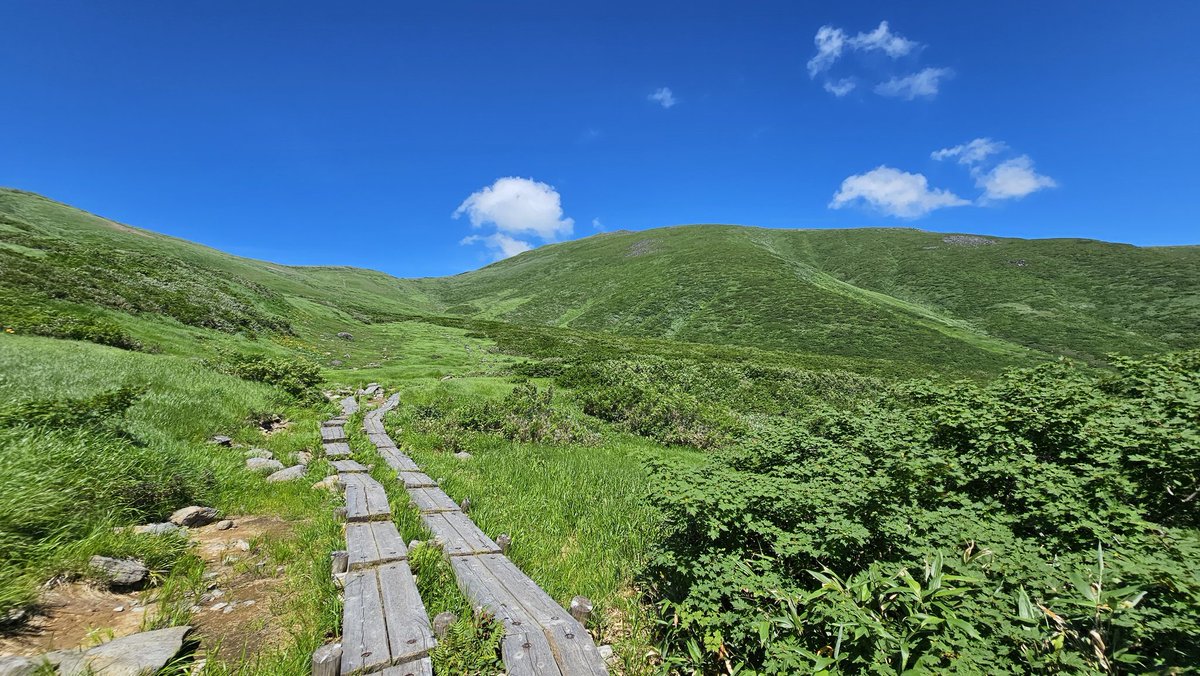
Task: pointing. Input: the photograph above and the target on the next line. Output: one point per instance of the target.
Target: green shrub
(1062, 500)
(29, 314)
(295, 375)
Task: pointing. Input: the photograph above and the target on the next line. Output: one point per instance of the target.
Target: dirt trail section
(233, 615)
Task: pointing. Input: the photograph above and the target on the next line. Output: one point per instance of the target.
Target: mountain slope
(868, 292)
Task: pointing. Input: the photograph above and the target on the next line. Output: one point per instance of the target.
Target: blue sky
(353, 133)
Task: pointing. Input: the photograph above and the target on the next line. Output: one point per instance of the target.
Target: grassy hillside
(947, 300)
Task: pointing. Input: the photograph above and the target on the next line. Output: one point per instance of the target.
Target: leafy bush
(295, 375)
(526, 414)
(31, 315)
(1061, 502)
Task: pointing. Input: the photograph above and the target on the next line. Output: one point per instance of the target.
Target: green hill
(871, 292)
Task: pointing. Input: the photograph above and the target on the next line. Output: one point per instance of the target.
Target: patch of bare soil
(232, 617)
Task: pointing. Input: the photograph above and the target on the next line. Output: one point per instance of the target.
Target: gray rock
(66, 661)
(289, 474)
(14, 665)
(263, 465)
(442, 622)
(344, 335)
(221, 440)
(156, 528)
(606, 652)
(136, 655)
(329, 483)
(463, 455)
(194, 516)
(259, 453)
(224, 524)
(303, 457)
(120, 572)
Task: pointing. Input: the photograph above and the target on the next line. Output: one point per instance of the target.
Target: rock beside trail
(263, 465)
(194, 516)
(462, 455)
(344, 335)
(136, 655)
(303, 457)
(156, 528)
(120, 572)
(329, 483)
(259, 453)
(221, 440)
(225, 524)
(293, 472)
(13, 665)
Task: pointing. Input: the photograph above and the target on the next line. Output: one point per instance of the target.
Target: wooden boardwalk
(385, 628)
(540, 638)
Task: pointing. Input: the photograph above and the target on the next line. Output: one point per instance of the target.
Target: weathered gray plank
(381, 439)
(421, 666)
(345, 466)
(337, 449)
(349, 405)
(365, 498)
(330, 434)
(364, 629)
(416, 479)
(429, 499)
(409, 633)
(372, 425)
(373, 543)
(398, 461)
(459, 536)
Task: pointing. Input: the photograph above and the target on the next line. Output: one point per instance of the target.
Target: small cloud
(500, 244)
(884, 40)
(518, 206)
(1012, 179)
(831, 42)
(840, 88)
(894, 193)
(589, 135)
(597, 224)
(664, 97)
(972, 152)
(921, 84)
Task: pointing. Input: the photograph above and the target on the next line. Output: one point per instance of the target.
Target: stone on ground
(120, 572)
(222, 440)
(13, 665)
(156, 528)
(289, 474)
(259, 453)
(194, 516)
(224, 524)
(263, 465)
(136, 655)
(462, 455)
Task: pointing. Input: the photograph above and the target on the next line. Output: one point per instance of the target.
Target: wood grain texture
(416, 480)
(373, 543)
(365, 498)
(335, 433)
(409, 632)
(337, 449)
(348, 466)
(428, 499)
(459, 536)
(364, 630)
(398, 461)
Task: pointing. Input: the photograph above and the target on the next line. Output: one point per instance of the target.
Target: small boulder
(289, 474)
(259, 453)
(144, 653)
(221, 440)
(606, 652)
(156, 528)
(120, 572)
(263, 465)
(224, 524)
(194, 516)
(463, 455)
(442, 622)
(303, 457)
(15, 665)
(345, 335)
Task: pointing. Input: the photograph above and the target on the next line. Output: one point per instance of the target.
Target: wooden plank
(459, 536)
(335, 422)
(365, 498)
(364, 630)
(331, 434)
(525, 649)
(348, 466)
(373, 543)
(409, 633)
(431, 500)
(372, 425)
(416, 480)
(381, 439)
(398, 461)
(337, 449)
(349, 405)
(421, 666)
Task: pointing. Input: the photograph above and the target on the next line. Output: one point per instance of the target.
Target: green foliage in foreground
(295, 375)
(1046, 521)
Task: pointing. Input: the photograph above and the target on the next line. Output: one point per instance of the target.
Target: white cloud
(597, 224)
(921, 84)
(499, 243)
(970, 153)
(840, 88)
(831, 42)
(895, 193)
(1012, 179)
(884, 40)
(664, 97)
(518, 206)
